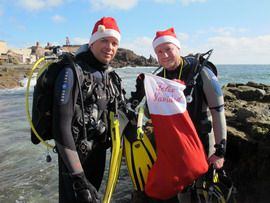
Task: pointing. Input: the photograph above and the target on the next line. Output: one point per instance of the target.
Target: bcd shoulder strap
(197, 62)
(43, 96)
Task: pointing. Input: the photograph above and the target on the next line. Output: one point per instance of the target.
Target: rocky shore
(125, 57)
(10, 75)
(248, 151)
(248, 118)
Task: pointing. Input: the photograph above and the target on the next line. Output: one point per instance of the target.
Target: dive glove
(220, 148)
(85, 192)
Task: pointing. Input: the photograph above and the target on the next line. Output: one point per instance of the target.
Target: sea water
(25, 176)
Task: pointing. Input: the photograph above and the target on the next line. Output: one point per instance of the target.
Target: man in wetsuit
(82, 140)
(204, 96)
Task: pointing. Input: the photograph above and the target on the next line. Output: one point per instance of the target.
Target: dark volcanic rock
(125, 57)
(248, 152)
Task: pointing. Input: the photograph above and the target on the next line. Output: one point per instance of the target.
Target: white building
(3, 47)
(26, 54)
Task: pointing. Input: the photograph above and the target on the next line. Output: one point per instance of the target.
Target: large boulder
(248, 152)
(125, 57)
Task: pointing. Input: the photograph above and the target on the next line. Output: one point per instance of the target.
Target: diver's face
(104, 49)
(168, 55)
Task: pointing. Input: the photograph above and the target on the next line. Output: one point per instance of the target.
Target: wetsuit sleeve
(215, 100)
(65, 95)
(139, 93)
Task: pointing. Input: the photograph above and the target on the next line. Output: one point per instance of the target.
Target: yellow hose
(140, 123)
(116, 156)
(27, 99)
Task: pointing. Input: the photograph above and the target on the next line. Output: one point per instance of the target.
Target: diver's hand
(85, 192)
(216, 161)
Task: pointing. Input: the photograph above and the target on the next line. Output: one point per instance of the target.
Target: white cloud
(17, 24)
(187, 2)
(241, 50)
(182, 37)
(183, 2)
(113, 4)
(141, 46)
(35, 5)
(79, 40)
(1, 11)
(22, 28)
(165, 1)
(228, 31)
(58, 19)
(229, 44)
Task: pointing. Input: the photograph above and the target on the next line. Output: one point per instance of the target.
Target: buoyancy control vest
(102, 92)
(193, 65)
(100, 89)
(195, 91)
(42, 106)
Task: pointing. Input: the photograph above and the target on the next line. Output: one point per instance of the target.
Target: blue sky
(237, 30)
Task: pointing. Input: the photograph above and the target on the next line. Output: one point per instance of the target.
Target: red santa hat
(166, 36)
(105, 27)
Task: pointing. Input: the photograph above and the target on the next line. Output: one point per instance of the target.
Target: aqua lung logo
(63, 93)
(64, 89)
(64, 86)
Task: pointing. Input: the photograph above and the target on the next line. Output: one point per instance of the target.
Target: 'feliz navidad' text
(168, 94)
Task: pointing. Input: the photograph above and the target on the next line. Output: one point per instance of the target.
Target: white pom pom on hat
(105, 27)
(166, 36)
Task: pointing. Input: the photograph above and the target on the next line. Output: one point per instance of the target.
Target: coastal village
(124, 57)
(15, 63)
(31, 54)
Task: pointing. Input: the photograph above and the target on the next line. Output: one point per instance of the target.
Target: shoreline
(248, 128)
(11, 75)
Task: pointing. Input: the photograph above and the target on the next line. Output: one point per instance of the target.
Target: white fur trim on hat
(166, 39)
(104, 33)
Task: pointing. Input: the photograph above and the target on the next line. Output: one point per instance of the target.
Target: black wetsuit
(206, 109)
(67, 115)
(207, 99)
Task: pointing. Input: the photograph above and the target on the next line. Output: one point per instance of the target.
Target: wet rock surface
(125, 57)
(248, 118)
(248, 150)
(10, 75)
